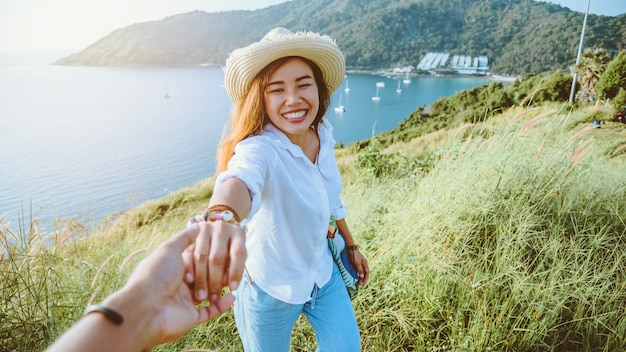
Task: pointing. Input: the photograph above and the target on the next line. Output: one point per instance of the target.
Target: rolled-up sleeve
(250, 164)
(339, 211)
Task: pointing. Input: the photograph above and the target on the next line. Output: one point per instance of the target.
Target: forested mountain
(518, 36)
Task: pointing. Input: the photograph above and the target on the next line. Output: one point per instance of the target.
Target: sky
(597, 7)
(72, 25)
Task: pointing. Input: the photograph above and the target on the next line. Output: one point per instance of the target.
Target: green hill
(518, 36)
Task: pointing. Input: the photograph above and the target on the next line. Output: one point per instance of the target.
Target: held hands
(159, 303)
(160, 278)
(216, 259)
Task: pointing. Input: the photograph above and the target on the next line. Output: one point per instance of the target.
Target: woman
(279, 177)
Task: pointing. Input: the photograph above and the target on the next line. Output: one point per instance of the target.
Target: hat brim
(244, 64)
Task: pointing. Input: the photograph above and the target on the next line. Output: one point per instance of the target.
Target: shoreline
(383, 73)
(377, 72)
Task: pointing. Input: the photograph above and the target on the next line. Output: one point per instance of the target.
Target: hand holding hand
(216, 260)
(157, 304)
(160, 278)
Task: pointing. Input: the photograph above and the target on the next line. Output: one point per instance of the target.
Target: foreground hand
(216, 260)
(160, 278)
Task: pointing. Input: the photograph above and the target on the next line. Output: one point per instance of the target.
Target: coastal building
(459, 64)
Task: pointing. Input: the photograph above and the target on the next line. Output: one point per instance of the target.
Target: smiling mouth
(295, 115)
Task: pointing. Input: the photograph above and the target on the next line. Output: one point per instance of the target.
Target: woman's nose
(293, 97)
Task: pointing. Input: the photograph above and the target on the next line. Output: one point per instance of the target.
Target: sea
(85, 142)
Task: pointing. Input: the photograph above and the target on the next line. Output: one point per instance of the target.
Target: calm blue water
(86, 142)
(364, 116)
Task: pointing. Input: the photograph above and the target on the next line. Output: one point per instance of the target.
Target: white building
(460, 64)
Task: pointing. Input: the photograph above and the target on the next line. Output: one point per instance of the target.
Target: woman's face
(292, 99)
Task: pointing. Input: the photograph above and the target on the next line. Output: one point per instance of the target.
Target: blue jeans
(265, 323)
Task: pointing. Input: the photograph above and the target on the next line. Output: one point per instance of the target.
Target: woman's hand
(216, 260)
(358, 260)
(360, 264)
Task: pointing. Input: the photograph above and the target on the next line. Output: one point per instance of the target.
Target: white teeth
(294, 115)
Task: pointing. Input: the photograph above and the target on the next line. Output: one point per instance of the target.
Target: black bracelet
(113, 316)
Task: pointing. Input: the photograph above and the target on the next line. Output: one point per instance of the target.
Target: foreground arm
(357, 258)
(157, 305)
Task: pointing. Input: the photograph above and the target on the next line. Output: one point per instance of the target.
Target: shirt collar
(327, 142)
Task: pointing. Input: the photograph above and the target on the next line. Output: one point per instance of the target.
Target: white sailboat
(340, 107)
(347, 86)
(407, 80)
(399, 90)
(380, 84)
(376, 97)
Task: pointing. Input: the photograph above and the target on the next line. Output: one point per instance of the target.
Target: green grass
(506, 235)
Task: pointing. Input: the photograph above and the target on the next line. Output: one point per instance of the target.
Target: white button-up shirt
(292, 200)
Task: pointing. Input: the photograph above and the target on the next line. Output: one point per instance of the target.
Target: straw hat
(245, 63)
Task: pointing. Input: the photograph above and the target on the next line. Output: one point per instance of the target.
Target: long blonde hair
(249, 117)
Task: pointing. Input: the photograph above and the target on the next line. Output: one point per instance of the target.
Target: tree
(592, 65)
(619, 102)
(613, 79)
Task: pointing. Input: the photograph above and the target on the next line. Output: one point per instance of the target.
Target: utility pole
(580, 50)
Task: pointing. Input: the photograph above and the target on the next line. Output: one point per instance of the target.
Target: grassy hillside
(505, 234)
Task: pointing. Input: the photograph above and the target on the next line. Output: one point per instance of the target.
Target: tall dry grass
(48, 278)
(514, 243)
